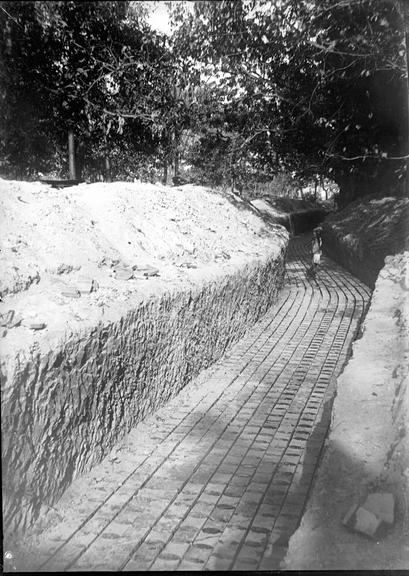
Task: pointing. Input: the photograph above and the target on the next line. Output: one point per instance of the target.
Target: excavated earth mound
(114, 296)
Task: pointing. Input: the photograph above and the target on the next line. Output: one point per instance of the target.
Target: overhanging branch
(365, 156)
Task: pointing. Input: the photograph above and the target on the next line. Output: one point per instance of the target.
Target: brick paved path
(221, 480)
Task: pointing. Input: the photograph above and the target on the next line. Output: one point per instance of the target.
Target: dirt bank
(55, 241)
(113, 297)
(368, 446)
(361, 235)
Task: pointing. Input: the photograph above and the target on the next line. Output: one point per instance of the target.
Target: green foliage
(312, 88)
(321, 84)
(93, 67)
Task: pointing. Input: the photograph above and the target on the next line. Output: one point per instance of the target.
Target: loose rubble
(377, 509)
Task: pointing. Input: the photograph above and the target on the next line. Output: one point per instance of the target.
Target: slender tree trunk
(71, 155)
(107, 161)
(176, 156)
(322, 184)
(233, 180)
(233, 172)
(405, 11)
(108, 174)
(176, 166)
(176, 137)
(79, 160)
(165, 172)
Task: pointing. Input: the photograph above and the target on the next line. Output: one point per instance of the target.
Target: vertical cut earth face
(361, 235)
(367, 449)
(114, 296)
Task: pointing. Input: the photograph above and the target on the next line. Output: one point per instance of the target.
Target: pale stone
(382, 505)
(123, 273)
(70, 292)
(366, 522)
(38, 325)
(146, 270)
(7, 318)
(85, 285)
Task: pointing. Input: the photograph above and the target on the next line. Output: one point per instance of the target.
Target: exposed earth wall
(361, 235)
(367, 450)
(109, 355)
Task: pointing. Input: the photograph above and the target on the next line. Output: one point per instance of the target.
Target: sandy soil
(54, 242)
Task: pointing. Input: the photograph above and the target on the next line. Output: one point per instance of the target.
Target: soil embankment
(367, 450)
(114, 296)
(365, 232)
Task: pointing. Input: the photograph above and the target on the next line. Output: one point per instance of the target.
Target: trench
(221, 477)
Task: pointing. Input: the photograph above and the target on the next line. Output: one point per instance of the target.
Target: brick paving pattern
(223, 481)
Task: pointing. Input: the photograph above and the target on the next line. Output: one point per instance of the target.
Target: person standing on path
(316, 248)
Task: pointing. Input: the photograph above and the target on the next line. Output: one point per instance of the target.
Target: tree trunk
(405, 11)
(79, 160)
(322, 184)
(233, 180)
(176, 138)
(71, 155)
(108, 174)
(165, 172)
(176, 166)
(176, 158)
(233, 172)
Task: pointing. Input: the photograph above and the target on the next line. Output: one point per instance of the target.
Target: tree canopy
(317, 88)
(93, 67)
(323, 84)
